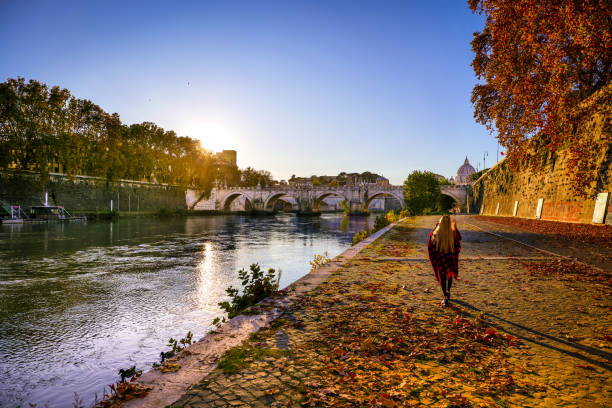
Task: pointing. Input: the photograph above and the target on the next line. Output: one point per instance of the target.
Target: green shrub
(380, 222)
(392, 216)
(360, 236)
(256, 286)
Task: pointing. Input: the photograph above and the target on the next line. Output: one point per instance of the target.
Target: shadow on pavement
(586, 349)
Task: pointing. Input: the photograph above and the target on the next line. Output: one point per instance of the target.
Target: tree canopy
(252, 178)
(546, 67)
(422, 193)
(44, 129)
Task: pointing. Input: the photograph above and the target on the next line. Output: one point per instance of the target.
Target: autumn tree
(545, 67)
(43, 128)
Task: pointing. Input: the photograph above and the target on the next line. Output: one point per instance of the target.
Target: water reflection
(79, 301)
(210, 284)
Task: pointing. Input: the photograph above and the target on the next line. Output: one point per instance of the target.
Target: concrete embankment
(88, 195)
(527, 327)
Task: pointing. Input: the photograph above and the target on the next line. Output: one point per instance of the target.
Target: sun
(213, 135)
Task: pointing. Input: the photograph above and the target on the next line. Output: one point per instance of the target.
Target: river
(79, 301)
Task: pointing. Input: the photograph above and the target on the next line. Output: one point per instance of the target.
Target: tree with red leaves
(546, 68)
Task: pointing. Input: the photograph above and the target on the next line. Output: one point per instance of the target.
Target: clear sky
(296, 87)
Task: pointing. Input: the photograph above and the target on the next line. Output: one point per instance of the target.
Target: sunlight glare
(210, 285)
(213, 135)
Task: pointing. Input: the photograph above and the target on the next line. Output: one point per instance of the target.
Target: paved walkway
(526, 328)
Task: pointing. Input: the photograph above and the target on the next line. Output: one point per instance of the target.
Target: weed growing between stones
(174, 350)
(256, 286)
(127, 390)
(121, 392)
(319, 260)
(129, 373)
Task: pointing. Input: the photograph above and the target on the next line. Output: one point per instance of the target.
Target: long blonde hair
(444, 235)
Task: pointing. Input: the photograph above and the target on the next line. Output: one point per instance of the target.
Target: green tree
(446, 203)
(422, 192)
(250, 177)
(42, 128)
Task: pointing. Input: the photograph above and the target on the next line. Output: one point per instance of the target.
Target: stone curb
(202, 357)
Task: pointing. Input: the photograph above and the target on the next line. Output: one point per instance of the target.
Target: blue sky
(296, 87)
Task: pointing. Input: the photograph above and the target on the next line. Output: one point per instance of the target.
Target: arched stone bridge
(457, 192)
(303, 199)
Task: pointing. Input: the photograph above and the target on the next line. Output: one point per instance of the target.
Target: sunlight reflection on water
(80, 301)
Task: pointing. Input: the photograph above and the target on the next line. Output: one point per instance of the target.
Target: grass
(237, 358)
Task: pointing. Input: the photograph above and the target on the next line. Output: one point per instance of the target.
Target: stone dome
(464, 172)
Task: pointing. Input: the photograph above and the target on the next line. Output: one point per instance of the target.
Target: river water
(79, 301)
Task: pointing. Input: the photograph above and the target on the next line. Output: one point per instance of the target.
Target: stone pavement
(519, 333)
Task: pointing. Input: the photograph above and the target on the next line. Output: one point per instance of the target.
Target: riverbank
(371, 332)
(203, 356)
(112, 293)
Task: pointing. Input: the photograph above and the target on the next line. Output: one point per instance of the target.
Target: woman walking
(443, 246)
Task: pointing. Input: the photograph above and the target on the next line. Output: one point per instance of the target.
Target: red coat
(448, 264)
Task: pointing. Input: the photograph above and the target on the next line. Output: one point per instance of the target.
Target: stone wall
(84, 194)
(498, 191)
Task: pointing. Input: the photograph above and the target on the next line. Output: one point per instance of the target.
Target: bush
(360, 236)
(380, 222)
(256, 286)
(404, 213)
(392, 216)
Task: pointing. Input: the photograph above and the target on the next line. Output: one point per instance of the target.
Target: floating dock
(38, 215)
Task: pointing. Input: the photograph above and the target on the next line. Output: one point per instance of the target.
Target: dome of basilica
(464, 172)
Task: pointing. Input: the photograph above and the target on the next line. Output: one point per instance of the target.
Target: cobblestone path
(374, 334)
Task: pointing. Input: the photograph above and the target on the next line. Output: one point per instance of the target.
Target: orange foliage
(546, 67)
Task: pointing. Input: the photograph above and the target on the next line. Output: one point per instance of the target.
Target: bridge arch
(319, 199)
(273, 198)
(457, 193)
(381, 194)
(230, 197)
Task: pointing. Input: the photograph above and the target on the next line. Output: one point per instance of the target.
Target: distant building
(300, 182)
(464, 172)
(382, 181)
(342, 179)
